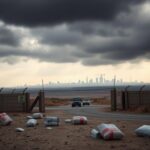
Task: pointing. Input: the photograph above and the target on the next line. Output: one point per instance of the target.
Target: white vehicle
(86, 102)
(79, 102)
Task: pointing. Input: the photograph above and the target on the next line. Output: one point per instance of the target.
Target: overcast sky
(68, 40)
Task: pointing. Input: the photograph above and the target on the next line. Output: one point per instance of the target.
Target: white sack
(31, 123)
(5, 119)
(79, 120)
(37, 116)
(143, 131)
(110, 132)
(51, 121)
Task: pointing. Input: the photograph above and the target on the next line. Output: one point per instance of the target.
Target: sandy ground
(67, 136)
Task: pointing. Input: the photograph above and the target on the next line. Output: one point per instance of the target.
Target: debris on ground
(144, 131)
(51, 121)
(5, 119)
(19, 129)
(110, 132)
(79, 120)
(68, 120)
(49, 128)
(95, 134)
(31, 123)
(29, 117)
(37, 115)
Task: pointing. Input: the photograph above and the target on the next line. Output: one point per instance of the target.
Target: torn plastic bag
(110, 132)
(5, 119)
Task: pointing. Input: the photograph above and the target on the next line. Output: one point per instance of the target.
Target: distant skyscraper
(87, 80)
(101, 79)
(96, 80)
(79, 82)
(91, 81)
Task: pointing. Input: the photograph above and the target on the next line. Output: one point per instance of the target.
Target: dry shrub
(101, 101)
(56, 101)
(61, 101)
(141, 109)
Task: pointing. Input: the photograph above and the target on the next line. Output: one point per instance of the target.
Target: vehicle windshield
(77, 99)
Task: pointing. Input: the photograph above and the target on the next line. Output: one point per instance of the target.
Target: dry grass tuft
(56, 102)
(140, 109)
(101, 101)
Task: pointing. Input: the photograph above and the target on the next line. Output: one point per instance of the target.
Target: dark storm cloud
(99, 28)
(99, 32)
(50, 12)
(7, 37)
(54, 55)
(58, 36)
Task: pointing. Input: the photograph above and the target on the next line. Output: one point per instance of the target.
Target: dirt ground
(67, 136)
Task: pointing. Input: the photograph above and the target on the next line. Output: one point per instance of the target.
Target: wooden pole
(113, 100)
(41, 101)
(27, 95)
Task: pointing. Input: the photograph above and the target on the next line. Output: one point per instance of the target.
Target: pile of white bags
(37, 115)
(31, 123)
(79, 120)
(5, 119)
(51, 121)
(143, 131)
(110, 132)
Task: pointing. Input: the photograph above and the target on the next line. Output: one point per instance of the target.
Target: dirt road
(96, 111)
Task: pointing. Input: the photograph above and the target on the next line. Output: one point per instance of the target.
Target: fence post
(27, 95)
(126, 98)
(41, 101)
(113, 99)
(140, 95)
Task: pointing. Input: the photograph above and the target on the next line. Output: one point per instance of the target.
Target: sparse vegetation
(56, 101)
(140, 109)
(101, 101)
(64, 101)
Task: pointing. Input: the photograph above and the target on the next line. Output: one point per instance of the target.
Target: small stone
(49, 128)
(66, 143)
(14, 147)
(112, 146)
(19, 129)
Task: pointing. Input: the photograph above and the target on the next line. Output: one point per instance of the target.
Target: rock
(112, 146)
(66, 143)
(19, 129)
